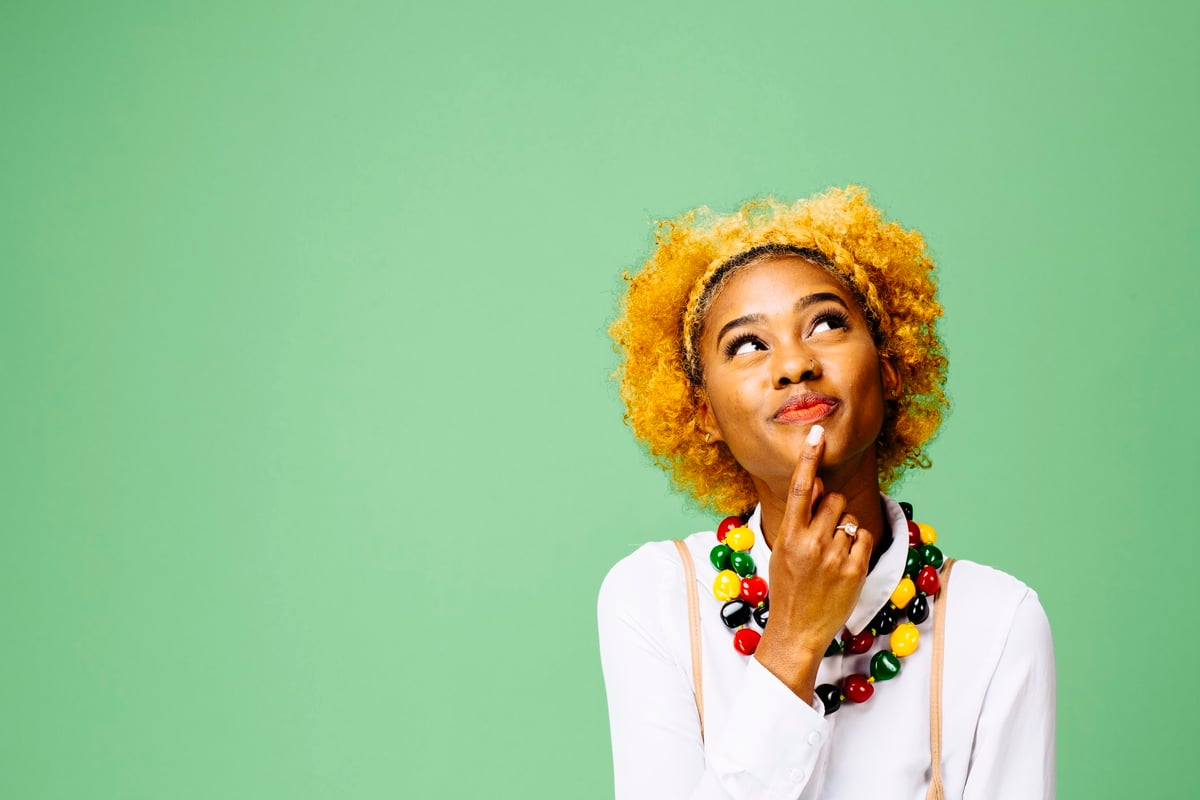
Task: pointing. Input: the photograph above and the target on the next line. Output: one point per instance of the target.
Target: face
(784, 346)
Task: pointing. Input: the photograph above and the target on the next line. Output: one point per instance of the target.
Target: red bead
(927, 581)
(745, 641)
(914, 535)
(728, 524)
(754, 590)
(860, 644)
(857, 688)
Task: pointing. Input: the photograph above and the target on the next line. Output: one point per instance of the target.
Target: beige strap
(689, 577)
(936, 791)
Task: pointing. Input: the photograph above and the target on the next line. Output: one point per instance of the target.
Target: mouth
(805, 409)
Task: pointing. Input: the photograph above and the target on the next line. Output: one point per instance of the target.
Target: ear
(892, 385)
(706, 420)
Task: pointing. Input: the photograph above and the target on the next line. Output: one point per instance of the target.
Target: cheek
(752, 394)
(738, 402)
(865, 385)
(856, 379)
(869, 382)
(869, 390)
(744, 399)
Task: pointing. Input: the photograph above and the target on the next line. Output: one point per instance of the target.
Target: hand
(817, 574)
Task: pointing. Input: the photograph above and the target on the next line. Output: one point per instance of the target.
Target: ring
(848, 528)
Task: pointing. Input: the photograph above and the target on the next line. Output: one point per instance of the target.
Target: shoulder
(979, 586)
(650, 572)
(996, 613)
(643, 600)
(974, 579)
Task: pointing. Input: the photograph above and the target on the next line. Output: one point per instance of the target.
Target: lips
(806, 408)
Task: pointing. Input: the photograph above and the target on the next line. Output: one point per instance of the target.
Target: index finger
(798, 512)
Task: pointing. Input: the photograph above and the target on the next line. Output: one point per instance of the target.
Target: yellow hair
(885, 265)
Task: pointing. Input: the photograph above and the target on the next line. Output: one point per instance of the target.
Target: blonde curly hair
(662, 312)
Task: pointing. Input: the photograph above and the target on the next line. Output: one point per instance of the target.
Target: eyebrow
(801, 304)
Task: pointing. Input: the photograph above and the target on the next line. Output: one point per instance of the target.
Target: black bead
(761, 614)
(884, 622)
(735, 614)
(907, 508)
(918, 609)
(834, 648)
(831, 697)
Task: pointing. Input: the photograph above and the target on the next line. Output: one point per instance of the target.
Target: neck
(859, 486)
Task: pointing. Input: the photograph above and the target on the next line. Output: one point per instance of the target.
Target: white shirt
(762, 741)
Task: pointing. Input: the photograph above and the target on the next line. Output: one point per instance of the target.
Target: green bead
(742, 563)
(932, 556)
(719, 556)
(834, 648)
(914, 562)
(885, 665)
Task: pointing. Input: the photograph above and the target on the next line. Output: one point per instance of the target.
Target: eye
(741, 345)
(834, 319)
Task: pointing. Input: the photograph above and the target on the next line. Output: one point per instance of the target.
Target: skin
(783, 327)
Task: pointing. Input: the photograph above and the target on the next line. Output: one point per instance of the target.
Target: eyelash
(836, 318)
(833, 315)
(732, 346)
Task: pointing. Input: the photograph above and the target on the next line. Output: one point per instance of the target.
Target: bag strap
(936, 790)
(689, 577)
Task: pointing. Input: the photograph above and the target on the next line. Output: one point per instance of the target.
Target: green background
(311, 462)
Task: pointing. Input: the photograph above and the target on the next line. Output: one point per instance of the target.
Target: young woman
(782, 363)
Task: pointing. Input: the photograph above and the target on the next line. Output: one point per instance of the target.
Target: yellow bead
(740, 538)
(928, 534)
(727, 585)
(905, 592)
(904, 639)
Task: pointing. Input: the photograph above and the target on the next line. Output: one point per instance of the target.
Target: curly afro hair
(884, 265)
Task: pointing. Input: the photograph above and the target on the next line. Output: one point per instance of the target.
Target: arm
(770, 745)
(768, 748)
(1013, 755)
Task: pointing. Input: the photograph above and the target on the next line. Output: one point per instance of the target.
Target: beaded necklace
(745, 596)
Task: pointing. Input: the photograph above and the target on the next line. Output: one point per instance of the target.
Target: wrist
(800, 641)
(795, 666)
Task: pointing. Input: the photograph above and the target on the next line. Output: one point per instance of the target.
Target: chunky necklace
(745, 596)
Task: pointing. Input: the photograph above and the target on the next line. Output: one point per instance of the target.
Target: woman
(782, 363)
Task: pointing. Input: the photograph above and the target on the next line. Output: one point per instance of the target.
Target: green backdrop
(311, 462)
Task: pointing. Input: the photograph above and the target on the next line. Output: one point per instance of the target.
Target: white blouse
(762, 741)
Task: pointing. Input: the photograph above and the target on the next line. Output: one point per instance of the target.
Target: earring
(707, 438)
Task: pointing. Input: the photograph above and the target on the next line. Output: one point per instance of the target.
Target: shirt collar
(881, 581)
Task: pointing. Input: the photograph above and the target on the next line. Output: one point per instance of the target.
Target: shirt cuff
(771, 743)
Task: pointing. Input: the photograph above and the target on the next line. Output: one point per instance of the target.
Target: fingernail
(815, 434)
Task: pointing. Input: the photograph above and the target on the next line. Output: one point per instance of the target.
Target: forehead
(773, 285)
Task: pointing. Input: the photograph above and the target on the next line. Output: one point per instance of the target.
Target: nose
(794, 366)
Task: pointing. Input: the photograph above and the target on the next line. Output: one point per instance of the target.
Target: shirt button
(797, 776)
(814, 738)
